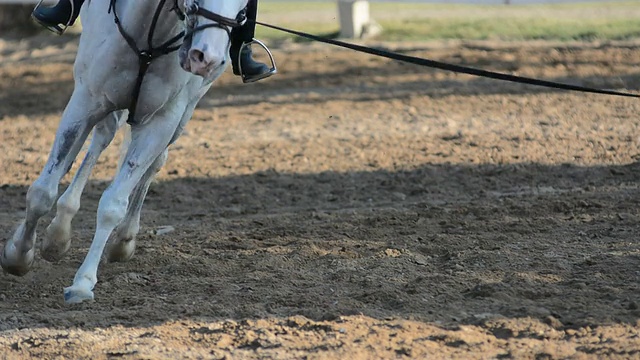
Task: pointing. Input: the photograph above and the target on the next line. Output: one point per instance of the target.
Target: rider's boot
(58, 17)
(241, 55)
(244, 65)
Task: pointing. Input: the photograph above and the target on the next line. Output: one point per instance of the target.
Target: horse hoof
(17, 265)
(56, 242)
(54, 251)
(77, 295)
(122, 251)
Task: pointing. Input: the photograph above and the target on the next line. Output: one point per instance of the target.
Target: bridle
(219, 21)
(146, 56)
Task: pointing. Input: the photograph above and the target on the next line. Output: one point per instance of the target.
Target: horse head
(207, 41)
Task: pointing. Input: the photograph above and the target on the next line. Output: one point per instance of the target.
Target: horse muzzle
(200, 58)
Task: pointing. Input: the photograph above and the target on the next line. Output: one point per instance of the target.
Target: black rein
(451, 67)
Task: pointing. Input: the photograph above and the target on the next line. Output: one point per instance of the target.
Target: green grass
(415, 22)
(512, 29)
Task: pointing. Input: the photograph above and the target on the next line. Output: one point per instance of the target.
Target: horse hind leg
(124, 243)
(77, 121)
(57, 240)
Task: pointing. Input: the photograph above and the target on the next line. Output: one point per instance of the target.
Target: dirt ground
(352, 208)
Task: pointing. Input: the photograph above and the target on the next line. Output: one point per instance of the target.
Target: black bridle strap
(240, 19)
(218, 21)
(206, 26)
(451, 67)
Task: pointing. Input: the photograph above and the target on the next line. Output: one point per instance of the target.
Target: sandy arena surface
(352, 208)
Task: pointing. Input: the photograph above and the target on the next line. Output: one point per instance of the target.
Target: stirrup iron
(57, 29)
(272, 71)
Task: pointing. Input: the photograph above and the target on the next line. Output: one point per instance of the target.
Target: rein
(451, 67)
(146, 56)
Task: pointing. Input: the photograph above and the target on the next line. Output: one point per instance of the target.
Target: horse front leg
(148, 142)
(124, 243)
(76, 124)
(57, 239)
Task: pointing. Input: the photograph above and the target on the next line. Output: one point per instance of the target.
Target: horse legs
(124, 244)
(148, 142)
(58, 235)
(77, 121)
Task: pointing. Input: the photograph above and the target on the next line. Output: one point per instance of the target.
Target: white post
(354, 17)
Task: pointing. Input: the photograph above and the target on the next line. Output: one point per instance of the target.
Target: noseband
(146, 56)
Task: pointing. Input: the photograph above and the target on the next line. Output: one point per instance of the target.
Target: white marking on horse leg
(57, 239)
(124, 243)
(18, 254)
(148, 141)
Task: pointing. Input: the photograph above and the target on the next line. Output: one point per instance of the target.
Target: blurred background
(412, 20)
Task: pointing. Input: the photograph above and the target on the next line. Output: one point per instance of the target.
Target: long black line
(451, 67)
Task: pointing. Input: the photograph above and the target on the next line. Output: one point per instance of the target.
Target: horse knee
(112, 209)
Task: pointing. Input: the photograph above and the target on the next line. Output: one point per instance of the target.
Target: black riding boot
(58, 17)
(242, 56)
(243, 64)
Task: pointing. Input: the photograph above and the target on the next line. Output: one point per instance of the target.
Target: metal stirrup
(58, 29)
(273, 70)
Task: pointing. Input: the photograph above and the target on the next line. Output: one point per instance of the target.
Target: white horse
(108, 82)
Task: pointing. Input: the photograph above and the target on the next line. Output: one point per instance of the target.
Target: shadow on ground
(448, 243)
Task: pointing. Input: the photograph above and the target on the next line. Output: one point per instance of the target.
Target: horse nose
(197, 56)
(203, 60)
